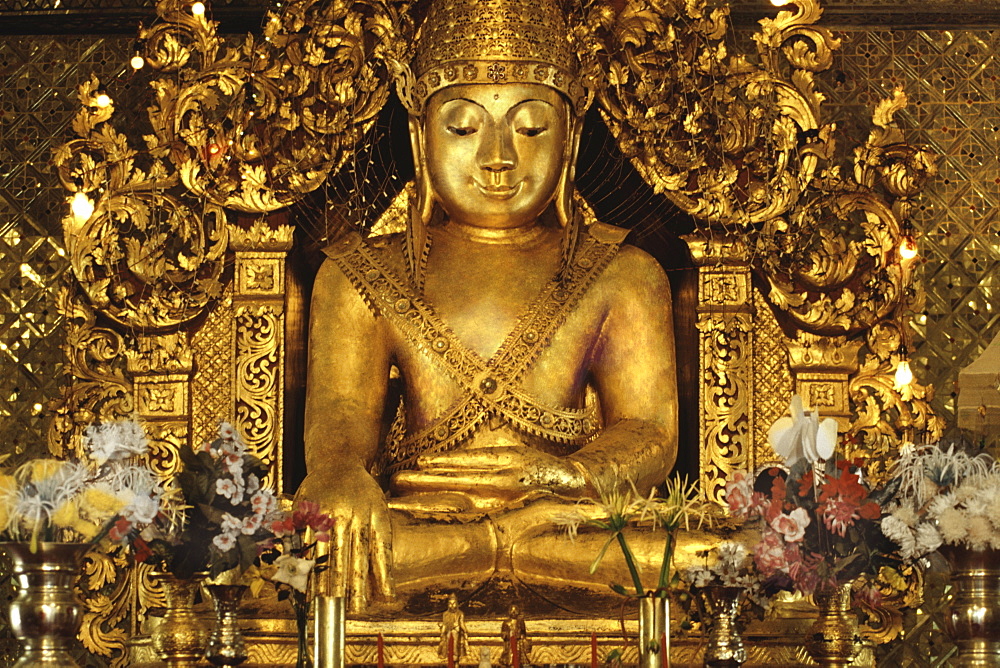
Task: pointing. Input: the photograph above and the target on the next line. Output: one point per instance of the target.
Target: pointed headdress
(493, 42)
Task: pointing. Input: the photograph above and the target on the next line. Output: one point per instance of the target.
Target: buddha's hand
(503, 473)
(360, 545)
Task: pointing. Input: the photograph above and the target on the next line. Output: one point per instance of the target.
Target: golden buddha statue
(534, 350)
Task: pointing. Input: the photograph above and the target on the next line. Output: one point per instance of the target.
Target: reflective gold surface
(806, 221)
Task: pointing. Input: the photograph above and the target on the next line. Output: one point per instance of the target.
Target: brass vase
(226, 646)
(654, 632)
(721, 605)
(973, 619)
(180, 640)
(833, 638)
(46, 614)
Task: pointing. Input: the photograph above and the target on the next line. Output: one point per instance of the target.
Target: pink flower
(805, 575)
(838, 514)
(262, 502)
(224, 542)
(769, 554)
(739, 494)
(251, 524)
(792, 525)
(869, 596)
(225, 487)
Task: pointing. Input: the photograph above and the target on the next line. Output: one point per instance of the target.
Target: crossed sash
(490, 388)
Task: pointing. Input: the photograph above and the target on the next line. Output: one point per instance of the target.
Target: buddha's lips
(499, 191)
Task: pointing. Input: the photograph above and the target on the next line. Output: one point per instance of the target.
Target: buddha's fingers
(340, 557)
(381, 555)
(359, 567)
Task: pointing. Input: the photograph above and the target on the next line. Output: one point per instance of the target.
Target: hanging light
(137, 61)
(103, 100)
(198, 8)
(81, 206)
(904, 373)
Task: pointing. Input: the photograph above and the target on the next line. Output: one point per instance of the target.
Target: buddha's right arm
(346, 389)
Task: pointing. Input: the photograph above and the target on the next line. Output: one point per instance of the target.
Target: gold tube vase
(721, 604)
(180, 640)
(45, 616)
(833, 638)
(973, 618)
(654, 632)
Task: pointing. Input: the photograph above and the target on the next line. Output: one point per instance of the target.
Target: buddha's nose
(496, 153)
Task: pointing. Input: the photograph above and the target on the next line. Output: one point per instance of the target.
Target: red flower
(119, 532)
(283, 527)
(142, 550)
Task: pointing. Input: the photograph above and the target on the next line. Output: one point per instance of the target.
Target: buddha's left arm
(635, 377)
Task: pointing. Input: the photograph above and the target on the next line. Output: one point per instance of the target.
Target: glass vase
(45, 616)
(654, 632)
(973, 618)
(721, 605)
(226, 646)
(833, 638)
(180, 640)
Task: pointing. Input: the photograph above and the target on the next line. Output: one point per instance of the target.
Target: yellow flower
(41, 469)
(99, 504)
(8, 489)
(68, 516)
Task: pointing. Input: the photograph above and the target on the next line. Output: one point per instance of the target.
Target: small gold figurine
(454, 637)
(516, 644)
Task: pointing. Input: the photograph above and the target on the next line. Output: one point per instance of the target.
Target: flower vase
(180, 640)
(45, 616)
(721, 605)
(973, 618)
(301, 607)
(226, 646)
(654, 632)
(833, 638)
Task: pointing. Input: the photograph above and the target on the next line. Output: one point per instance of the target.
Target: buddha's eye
(463, 131)
(531, 131)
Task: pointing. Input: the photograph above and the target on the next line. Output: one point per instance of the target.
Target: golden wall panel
(212, 383)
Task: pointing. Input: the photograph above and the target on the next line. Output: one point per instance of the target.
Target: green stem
(630, 562)
(668, 556)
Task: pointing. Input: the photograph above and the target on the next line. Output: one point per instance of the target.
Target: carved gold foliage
(726, 355)
(259, 360)
(145, 257)
(104, 586)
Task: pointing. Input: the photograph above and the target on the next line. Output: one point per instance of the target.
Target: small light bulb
(780, 3)
(904, 374)
(81, 206)
(907, 248)
(137, 62)
(213, 149)
(198, 8)
(103, 100)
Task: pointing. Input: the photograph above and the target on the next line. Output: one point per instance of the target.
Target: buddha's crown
(492, 42)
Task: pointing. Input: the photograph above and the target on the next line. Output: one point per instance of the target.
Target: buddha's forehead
(498, 97)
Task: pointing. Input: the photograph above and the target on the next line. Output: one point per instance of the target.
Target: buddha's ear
(423, 205)
(567, 180)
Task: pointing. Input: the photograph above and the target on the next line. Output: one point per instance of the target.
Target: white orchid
(115, 440)
(803, 435)
(293, 571)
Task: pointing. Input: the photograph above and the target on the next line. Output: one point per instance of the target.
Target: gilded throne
(789, 280)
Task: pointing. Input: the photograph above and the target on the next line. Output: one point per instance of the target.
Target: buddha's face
(495, 153)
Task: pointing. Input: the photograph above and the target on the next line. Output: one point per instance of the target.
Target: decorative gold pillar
(160, 367)
(259, 326)
(822, 366)
(725, 342)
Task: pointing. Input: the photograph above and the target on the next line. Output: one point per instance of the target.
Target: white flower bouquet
(945, 497)
(110, 494)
